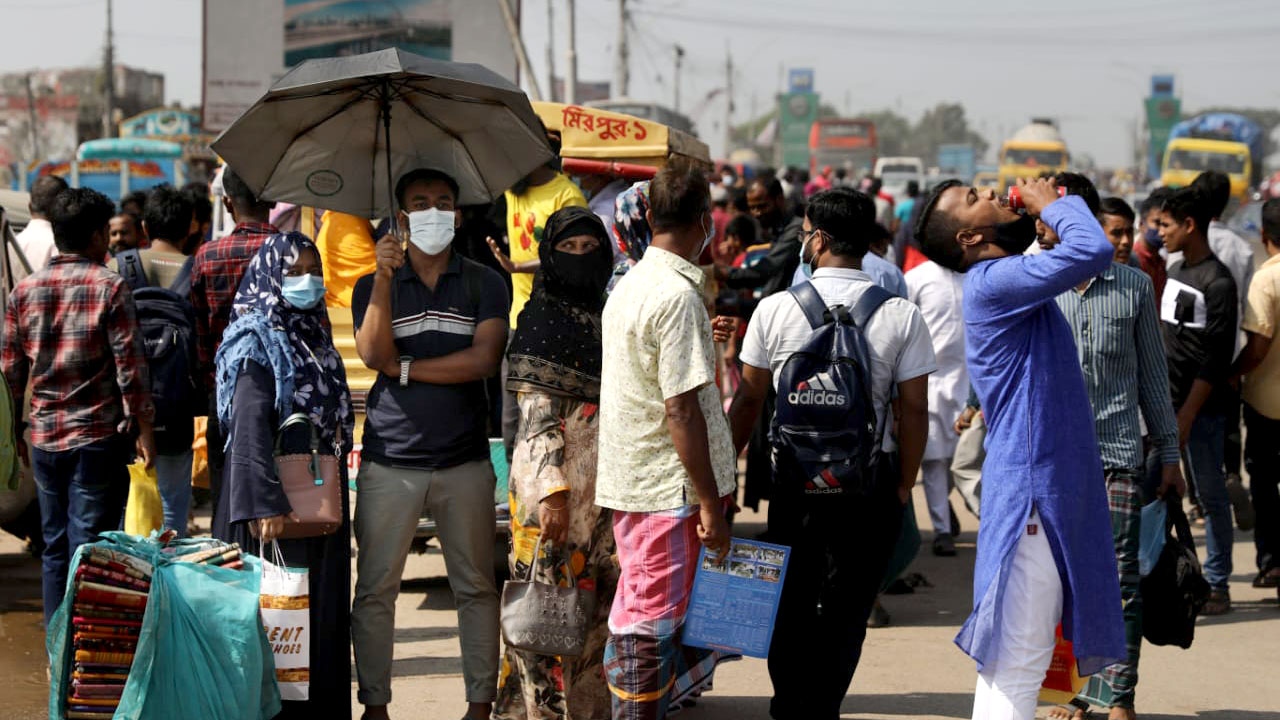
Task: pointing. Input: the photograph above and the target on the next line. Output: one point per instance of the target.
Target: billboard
(797, 112)
(243, 58)
(1162, 114)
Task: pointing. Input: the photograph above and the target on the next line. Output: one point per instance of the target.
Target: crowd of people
(644, 337)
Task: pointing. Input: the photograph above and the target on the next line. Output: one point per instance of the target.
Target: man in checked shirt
(71, 330)
(216, 273)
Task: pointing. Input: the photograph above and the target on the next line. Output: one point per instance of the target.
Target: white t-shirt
(36, 243)
(897, 337)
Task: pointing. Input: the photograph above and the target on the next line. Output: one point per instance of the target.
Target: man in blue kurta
(1044, 547)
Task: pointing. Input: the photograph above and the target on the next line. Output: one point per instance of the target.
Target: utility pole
(622, 72)
(679, 58)
(728, 100)
(551, 52)
(108, 82)
(571, 73)
(517, 44)
(33, 122)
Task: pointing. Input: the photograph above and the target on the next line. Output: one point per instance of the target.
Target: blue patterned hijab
(296, 345)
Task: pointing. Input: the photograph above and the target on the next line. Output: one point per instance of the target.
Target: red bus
(842, 143)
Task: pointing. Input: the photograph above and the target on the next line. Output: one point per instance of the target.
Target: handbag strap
(296, 419)
(568, 563)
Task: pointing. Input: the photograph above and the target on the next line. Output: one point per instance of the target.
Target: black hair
(841, 173)
(133, 218)
(771, 185)
(424, 175)
(936, 232)
(847, 217)
(1154, 201)
(1215, 189)
(738, 199)
(1118, 207)
(678, 196)
(77, 214)
(1271, 221)
(873, 187)
(1077, 184)
(168, 214)
(913, 188)
(1189, 202)
(44, 191)
(235, 188)
(198, 194)
(137, 198)
(743, 228)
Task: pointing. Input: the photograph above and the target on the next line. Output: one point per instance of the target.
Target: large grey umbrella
(319, 136)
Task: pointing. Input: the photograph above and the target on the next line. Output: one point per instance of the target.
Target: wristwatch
(405, 362)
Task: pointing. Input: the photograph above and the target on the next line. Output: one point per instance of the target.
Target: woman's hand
(270, 528)
(503, 259)
(553, 516)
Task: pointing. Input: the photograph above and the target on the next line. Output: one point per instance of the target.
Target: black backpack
(167, 322)
(1175, 591)
(825, 435)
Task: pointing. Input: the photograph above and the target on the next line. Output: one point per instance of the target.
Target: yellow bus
(1030, 159)
(1185, 158)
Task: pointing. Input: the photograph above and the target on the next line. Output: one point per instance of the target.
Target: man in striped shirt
(1114, 320)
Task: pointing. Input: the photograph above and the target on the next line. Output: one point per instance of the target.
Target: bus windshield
(1199, 160)
(1019, 156)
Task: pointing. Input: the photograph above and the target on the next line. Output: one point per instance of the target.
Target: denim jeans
(82, 492)
(173, 477)
(1204, 461)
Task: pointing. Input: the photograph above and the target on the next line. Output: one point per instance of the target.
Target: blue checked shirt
(1117, 331)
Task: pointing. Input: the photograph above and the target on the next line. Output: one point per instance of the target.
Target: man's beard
(1015, 236)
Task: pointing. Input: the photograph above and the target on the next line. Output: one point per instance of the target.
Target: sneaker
(1240, 503)
(944, 545)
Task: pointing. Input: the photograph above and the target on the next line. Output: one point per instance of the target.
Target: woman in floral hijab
(277, 358)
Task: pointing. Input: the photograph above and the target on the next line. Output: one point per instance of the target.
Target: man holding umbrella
(433, 324)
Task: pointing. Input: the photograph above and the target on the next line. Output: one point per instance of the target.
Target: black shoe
(1267, 578)
(944, 545)
(955, 521)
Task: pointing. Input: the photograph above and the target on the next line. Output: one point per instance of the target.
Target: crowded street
(629, 359)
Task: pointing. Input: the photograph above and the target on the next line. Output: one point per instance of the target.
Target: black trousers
(1262, 458)
(839, 550)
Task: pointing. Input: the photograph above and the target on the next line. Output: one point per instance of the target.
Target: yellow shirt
(526, 216)
(1261, 315)
(347, 253)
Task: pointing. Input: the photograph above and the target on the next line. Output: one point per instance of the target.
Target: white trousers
(1009, 684)
(936, 475)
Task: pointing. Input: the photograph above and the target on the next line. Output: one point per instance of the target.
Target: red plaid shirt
(215, 277)
(71, 329)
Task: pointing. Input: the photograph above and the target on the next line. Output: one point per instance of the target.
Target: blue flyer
(734, 602)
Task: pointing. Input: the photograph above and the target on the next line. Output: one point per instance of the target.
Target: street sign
(800, 80)
(797, 112)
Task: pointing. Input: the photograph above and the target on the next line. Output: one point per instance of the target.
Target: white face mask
(431, 230)
(710, 229)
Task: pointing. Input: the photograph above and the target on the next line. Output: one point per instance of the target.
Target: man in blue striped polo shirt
(1116, 326)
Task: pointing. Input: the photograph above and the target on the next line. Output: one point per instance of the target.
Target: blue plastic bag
(1152, 536)
(202, 653)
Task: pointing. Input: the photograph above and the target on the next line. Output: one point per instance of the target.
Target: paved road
(909, 670)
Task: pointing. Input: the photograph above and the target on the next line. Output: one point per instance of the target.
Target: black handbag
(1175, 591)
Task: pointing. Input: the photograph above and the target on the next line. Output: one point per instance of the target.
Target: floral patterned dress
(555, 450)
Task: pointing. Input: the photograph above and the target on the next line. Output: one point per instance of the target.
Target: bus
(842, 143)
(1185, 158)
(646, 111)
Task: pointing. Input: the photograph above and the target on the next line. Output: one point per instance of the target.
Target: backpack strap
(129, 264)
(811, 304)
(871, 300)
(182, 283)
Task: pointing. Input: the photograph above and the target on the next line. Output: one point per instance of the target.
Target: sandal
(1219, 603)
(1076, 709)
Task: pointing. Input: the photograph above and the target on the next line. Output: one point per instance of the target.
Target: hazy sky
(1085, 62)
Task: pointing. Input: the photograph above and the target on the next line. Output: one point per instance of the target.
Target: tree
(944, 123)
(893, 132)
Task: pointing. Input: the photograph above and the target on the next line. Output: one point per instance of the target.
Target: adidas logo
(824, 483)
(817, 390)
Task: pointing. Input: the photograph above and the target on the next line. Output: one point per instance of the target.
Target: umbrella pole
(385, 112)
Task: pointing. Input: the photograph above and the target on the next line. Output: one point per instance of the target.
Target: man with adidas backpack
(160, 278)
(834, 348)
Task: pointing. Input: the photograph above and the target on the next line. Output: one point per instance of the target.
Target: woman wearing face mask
(277, 358)
(554, 367)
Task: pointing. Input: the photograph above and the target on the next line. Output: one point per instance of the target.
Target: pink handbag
(310, 482)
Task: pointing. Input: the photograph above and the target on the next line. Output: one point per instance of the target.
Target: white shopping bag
(286, 615)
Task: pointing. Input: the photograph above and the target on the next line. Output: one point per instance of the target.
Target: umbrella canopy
(319, 136)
